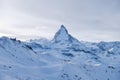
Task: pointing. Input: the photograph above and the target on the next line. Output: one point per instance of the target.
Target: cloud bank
(89, 20)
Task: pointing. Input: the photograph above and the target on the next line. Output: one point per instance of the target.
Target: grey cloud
(82, 17)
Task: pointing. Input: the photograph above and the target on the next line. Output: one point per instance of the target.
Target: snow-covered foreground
(63, 58)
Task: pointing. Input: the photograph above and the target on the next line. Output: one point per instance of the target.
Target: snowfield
(63, 58)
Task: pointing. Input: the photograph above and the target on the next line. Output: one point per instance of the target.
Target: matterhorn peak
(62, 35)
(63, 28)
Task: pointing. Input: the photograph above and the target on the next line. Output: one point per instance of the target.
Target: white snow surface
(63, 58)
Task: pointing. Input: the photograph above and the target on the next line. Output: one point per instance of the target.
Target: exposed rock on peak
(62, 36)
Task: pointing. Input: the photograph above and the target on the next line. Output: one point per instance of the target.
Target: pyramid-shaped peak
(63, 29)
(62, 34)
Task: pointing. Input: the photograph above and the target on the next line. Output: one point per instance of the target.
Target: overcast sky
(89, 20)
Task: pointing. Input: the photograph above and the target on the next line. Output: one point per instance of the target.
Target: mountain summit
(63, 58)
(62, 36)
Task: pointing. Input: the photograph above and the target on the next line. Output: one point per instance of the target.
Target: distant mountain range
(62, 58)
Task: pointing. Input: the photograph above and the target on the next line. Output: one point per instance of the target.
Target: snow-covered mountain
(62, 58)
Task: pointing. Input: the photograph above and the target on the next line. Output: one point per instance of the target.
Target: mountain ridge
(63, 35)
(63, 58)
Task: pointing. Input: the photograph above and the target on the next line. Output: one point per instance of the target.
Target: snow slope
(63, 58)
